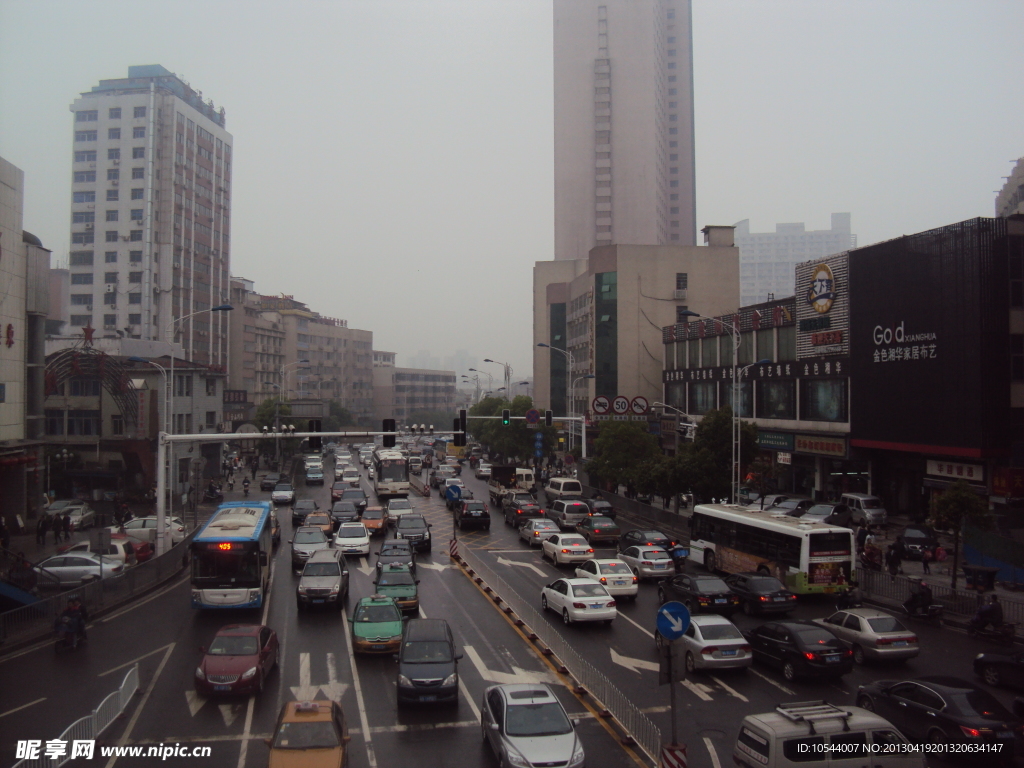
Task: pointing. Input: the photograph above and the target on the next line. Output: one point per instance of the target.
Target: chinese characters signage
(970, 472)
(821, 446)
(236, 396)
(775, 441)
(823, 308)
(1008, 482)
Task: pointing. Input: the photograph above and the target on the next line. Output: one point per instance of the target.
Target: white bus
(231, 556)
(390, 473)
(809, 558)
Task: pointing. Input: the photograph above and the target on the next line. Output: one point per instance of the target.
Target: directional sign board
(673, 620)
(639, 405)
(620, 405)
(454, 493)
(532, 416)
(601, 404)
(539, 439)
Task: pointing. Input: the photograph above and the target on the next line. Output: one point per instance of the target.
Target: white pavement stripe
(23, 706)
(142, 703)
(160, 593)
(730, 691)
(130, 663)
(642, 629)
(531, 566)
(371, 756)
(712, 752)
(634, 665)
(777, 684)
(243, 750)
(462, 685)
(700, 690)
(195, 702)
(304, 691)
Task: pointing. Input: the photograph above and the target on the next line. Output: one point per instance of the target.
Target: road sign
(601, 404)
(639, 405)
(532, 416)
(538, 453)
(570, 460)
(454, 493)
(620, 405)
(673, 620)
(538, 438)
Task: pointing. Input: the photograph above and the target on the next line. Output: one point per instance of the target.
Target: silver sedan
(712, 642)
(648, 562)
(534, 532)
(872, 634)
(78, 568)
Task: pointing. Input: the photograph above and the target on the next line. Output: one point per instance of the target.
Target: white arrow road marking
(777, 684)
(517, 676)
(229, 712)
(195, 702)
(698, 689)
(364, 567)
(432, 566)
(712, 752)
(304, 691)
(674, 621)
(333, 690)
(730, 691)
(531, 566)
(632, 664)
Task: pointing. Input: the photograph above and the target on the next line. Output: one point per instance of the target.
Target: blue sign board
(538, 453)
(673, 620)
(538, 438)
(454, 493)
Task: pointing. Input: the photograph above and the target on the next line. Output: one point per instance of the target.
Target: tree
(958, 505)
(265, 413)
(620, 450)
(711, 453)
(337, 417)
(517, 440)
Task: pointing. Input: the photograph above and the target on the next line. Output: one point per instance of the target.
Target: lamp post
(490, 378)
(163, 372)
(475, 380)
(572, 414)
(508, 372)
(522, 384)
(571, 362)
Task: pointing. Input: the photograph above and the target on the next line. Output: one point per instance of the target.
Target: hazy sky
(393, 160)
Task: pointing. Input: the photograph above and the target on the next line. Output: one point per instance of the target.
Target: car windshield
(305, 503)
(872, 504)
(402, 579)
(655, 536)
(58, 505)
(537, 720)
(353, 493)
(602, 524)
(321, 569)
(282, 487)
(339, 486)
(811, 637)
(408, 521)
(400, 504)
(655, 554)
(474, 505)
(886, 624)
(720, 632)
(315, 735)
(765, 584)
(318, 520)
(396, 548)
(366, 614)
(710, 585)
(315, 536)
(573, 540)
(615, 568)
(344, 506)
(351, 532)
(373, 514)
(426, 651)
(234, 645)
(915, 533)
(589, 590)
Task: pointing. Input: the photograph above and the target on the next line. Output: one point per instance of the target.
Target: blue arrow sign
(673, 620)
(454, 493)
(538, 438)
(538, 453)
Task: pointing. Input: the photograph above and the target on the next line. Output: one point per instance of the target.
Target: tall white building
(1010, 199)
(623, 108)
(151, 213)
(767, 259)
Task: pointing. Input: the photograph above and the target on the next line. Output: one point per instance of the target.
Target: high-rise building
(624, 144)
(768, 259)
(1010, 199)
(151, 213)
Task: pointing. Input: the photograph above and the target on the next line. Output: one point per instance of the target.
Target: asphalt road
(43, 693)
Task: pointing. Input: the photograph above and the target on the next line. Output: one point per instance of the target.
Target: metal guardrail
(633, 721)
(91, 726)
(645, 514)
(36, 619)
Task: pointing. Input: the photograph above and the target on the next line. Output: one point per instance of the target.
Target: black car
(267, 482)
(645, 539)
(701, 593)
(1001, 668)
(396, 551)
(517, 514)
(800, 649)
(940, 709)
(301, 508)
(357, 496)
(428, 669)
(918, 539)
(600, 507)
(344, 512)
(513, 499)
(472, 514)
(416, 530)
(761, 593)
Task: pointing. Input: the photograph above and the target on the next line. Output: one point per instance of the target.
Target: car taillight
(810, 656)
(566, 550)
(579, 605)
(709, 649)
(519, 511)
(847, 652)
(973, 732)
(610, 605)
(604, 580)
(703, 600)
(536, 533)
(646, 562)
(745, 648)
(116, 569)
(791, 597)
(763, 598)
(635, 579)
(590, 550)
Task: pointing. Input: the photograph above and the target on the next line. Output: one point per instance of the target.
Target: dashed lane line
(730, 691)
(711, 751)
(371, 755)
(23, 706)
(777, 684)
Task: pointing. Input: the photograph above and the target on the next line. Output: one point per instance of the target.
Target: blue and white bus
(231, 557)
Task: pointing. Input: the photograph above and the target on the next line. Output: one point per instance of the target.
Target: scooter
(871, 559)
(211, 495)
(245, 488)
(932, 612)
(68, 638)
(1003, 634)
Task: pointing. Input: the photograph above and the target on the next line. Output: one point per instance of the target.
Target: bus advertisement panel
(231, 557)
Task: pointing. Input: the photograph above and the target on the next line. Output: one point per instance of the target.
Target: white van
(524, 479)
(560, 487)
(816, 733)
(864, 507)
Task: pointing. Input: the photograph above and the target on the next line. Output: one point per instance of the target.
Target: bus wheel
(709, 562)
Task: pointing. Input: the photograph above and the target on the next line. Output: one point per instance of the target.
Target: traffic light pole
(580, 419)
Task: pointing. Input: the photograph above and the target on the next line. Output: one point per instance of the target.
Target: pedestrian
(892, 560)
(57, 526)
(901, 548)
(42, 525)
(5, 534)
(66, 526)
(862, 536)
(940, 554)
(926, 557)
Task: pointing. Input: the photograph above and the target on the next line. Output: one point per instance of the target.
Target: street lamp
(163, 372)
(475, 380)
(572, 412)
(508, 372)
(490, 378)
(570, 361)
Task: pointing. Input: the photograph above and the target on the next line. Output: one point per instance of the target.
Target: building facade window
(83, 217)
(112, 196)
(84, 423)
(112, 215)
(113, 134)
(134, 319)
(138, 133)
(85, 135)
(82, 238)
(140, 112)
(87, 156)
(136, 194)
(117, 425)
(138, 173)
(83, 197)
(138, 153)
(136, 234)
(84, 177)
(776, 400)
(114, 113)
(134, 298)
(135, 257)
(702, 397)
(87, 116)
(85, 279)
(110, 257)
(111, 236)
(80, 259)
(823, 400)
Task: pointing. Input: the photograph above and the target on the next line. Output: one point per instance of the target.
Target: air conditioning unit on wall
(679, 294)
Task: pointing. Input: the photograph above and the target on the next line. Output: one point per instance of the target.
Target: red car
(237, 661)
(339, 487)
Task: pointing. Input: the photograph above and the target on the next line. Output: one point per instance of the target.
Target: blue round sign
(454, 493)
(673, 620)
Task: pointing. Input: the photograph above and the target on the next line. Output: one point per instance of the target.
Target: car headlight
(302, 590)
(197, 595)
(335, 589)
(253, 594)
(426, 534)
(452, 679)
(200, 674)
(514, 758)
(249, 673)
(577, 754)
(404, 681)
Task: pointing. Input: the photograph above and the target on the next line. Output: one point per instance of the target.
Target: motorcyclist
(212, 490)
(76, 616)
(852, 597)
(245, 485)
(920, 598)
(990, 613)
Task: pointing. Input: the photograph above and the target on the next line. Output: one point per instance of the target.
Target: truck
(506, 478)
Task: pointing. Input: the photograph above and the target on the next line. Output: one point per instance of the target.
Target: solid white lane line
(23, 706)
(778, 685)
(698, 689)
(642, 629)
(142, 703)
(130, 663)
(712, 752)
(243, 750)
(159, 593)
(730, 691)
(371, 756)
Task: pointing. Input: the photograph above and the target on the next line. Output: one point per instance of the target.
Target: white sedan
(140, 528)
(648, 562)
(567, 548)
(579, 600)
(352, 539)
(614, 574)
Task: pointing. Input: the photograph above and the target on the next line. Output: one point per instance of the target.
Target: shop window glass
(676, 394)
(746, 353)
(787, 343)
(745, 393)
(709, 353)
(702, 397)
(694, 353)
(680, 354)
(766, 344)
(776, 400)
(823, 400)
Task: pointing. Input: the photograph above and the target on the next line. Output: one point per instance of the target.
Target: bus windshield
(212, 568)
(392, 469)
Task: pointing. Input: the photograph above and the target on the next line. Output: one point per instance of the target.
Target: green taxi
(376, 625)
(396, 580)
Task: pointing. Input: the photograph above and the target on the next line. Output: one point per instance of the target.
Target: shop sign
(783, 457)
(236, 396)
(973, 472)
(821, 446)
(774, 441)
(1008, 482)
(823, 308)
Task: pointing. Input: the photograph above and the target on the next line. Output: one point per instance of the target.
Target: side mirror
(494, 727)
(344, 573)
(458, 655)
(417, 581)
(395, 656)
(346, 739)
(405, 618)
(289, 541)
(269, 742)
(575, 722)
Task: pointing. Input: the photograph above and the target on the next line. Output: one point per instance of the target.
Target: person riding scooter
(920, 599)
(245, 485)
(851, 598)
(990, 613)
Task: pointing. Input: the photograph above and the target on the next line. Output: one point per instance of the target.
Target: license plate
(1004, 735)
(620, 583)
(659, 567)
(428, 698)
(831, 659)
(377, 647)
(720, 600)
(597, 605)
(318, 600)
(222, 687)
(900, 644)
(352, 549)
(779, 599)
(728, 653)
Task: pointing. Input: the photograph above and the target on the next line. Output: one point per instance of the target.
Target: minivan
(865, 508)
(560, 487)
(817, 733)
(428, 663)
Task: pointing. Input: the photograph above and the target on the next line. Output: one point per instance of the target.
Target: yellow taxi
(310, 734)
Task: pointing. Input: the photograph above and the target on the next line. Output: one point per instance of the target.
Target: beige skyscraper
(624, 144)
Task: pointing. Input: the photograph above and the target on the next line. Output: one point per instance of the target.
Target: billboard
(929, 334)
(823, 308)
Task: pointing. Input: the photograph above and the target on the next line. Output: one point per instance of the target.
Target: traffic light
(458, 438)
(316, 444)
(389, 426)
(462, 419)
(506, 417)
(547, 418)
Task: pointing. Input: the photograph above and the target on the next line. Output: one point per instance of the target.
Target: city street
(44, 693)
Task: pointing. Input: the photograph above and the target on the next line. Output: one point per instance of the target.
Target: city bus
(809, 558)
(390, 473)
(231, 556)
(444, 449)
